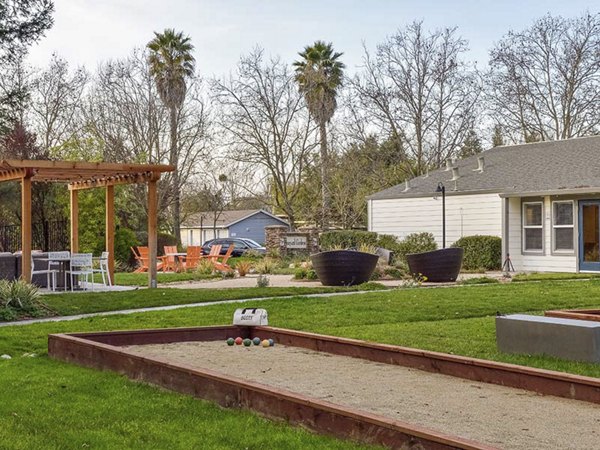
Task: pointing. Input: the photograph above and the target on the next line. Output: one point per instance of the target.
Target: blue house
(246, 223)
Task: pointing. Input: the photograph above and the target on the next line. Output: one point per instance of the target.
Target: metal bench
(577, 340)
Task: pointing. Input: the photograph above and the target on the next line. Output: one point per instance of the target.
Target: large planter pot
(438, 265)
(343, 267)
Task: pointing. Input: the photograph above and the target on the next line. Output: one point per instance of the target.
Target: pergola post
(74, 220)
(110, 230)
(152, 229)
(26, 227)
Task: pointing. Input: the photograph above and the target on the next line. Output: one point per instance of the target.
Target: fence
(47, 236)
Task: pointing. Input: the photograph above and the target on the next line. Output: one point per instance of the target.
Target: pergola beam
(152, 230)
(110, 230)
(74, 221)
(111, 181)
(26, 227)
(12, 175)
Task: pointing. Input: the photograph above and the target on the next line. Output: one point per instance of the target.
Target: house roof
(536, 168)
(225, 218)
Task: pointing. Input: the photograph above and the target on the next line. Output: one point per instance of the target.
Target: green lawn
(141, 279)
(554, 276)
(89, 302)
(49, 404)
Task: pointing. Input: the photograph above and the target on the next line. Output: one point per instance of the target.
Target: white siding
(200, 236)
(466, 215)
(543, 262)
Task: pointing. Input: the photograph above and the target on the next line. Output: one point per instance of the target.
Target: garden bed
(344, 402)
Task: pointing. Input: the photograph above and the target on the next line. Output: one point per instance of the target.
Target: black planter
(344, 267)
(438, 265)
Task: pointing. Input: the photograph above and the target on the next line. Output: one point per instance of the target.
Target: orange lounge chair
(169, 262)
(193, 257)
(222, 265)
(143, 257)
(215, 251)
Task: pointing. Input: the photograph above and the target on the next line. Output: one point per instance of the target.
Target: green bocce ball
(247, 342)
(230, 341)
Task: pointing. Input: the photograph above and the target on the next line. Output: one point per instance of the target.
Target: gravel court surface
(496, 415)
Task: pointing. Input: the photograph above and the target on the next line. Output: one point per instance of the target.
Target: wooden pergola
(85, 175)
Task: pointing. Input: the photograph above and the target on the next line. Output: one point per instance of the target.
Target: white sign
(296, 241)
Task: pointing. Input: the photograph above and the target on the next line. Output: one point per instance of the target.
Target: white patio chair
(103, 269)
(51, 274)
(54, 263)
(81, 265)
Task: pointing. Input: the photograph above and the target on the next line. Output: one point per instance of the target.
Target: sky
(87, 32)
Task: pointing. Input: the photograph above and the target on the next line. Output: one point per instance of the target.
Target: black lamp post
(441, 188)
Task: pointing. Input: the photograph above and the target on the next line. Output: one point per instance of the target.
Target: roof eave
(552, 192)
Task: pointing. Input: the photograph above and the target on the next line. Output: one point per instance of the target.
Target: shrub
(262, 281)
(416, 243)
(481, 252)
(347, 239)
(311, 274)
(18, 298)
(124, 240)
(243, 268)
(205, 267)
(265, 266)
(393, 272)
(300, 273)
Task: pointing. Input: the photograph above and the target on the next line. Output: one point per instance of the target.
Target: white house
(542, 198)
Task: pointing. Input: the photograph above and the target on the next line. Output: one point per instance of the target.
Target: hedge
(413, 243)
(481, 252)
(347, 239)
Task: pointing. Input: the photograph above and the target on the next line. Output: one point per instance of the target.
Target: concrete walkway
(288, 281)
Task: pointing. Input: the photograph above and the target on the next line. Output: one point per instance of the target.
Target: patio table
(178, 259)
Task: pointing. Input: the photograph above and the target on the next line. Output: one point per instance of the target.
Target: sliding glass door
(589, 235)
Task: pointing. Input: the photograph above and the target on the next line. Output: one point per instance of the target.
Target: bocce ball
(256, 341)
(230, 341)
(266, 343)
(271, 342)
(238, 340)
(247, 342)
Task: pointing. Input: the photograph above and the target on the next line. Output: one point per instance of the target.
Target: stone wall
(302, 242)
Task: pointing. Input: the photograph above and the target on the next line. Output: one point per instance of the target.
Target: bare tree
(56, 101)
(420, 94)
(544, 82)
(124, 113)
(265, 123)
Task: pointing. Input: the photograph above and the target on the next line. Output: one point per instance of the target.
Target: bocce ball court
(374, 393)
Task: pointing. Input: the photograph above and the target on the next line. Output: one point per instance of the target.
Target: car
(241, 246)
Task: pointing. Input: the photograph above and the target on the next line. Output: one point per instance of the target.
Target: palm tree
(171, 63)
(319, 75)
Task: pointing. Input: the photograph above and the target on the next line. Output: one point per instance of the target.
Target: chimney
(455, 175)
(406, 186)
(480, 164)
(448, 165)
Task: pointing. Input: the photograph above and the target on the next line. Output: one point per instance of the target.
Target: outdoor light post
(441, 188)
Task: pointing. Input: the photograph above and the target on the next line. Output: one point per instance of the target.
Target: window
(533, 227)
(563, 225)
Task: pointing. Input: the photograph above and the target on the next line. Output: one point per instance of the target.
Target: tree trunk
(173, 160)
(326, 200)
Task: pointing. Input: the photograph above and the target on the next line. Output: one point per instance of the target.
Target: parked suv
(241, 246)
